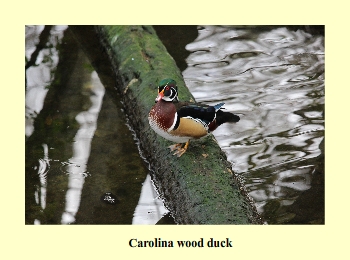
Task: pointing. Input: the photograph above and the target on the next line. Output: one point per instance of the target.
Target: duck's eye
(167, 88)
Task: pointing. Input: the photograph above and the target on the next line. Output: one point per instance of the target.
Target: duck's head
(167, 90)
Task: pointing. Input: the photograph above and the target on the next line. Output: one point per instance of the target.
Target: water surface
(273, 78)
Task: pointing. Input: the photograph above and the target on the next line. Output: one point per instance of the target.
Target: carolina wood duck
(182, 121)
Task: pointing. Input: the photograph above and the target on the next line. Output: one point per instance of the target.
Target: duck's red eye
(167, 88)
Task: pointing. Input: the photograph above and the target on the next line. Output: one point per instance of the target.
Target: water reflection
(76, 168)
(41, 62)
(78, 147)
(273, 79)
(44, 167)
(150, 208)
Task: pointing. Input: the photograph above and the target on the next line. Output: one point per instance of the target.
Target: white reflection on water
(150, 209)
(38, 77)
(44, 167)
(274, 80)
(76, 168)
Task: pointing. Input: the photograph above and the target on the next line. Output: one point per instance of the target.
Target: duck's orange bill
(160, 95)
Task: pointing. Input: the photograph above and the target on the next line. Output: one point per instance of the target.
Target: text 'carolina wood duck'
(182, 121)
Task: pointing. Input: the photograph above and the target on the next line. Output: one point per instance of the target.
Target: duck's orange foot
(175, 147)
(179, 149)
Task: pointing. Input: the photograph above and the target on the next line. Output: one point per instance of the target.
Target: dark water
(82, 163)
(273, 78)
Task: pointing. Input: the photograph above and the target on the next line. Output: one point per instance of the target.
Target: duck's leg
(181, 150)
(175, 147)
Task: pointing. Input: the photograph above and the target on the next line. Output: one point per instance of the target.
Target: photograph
(175, 125)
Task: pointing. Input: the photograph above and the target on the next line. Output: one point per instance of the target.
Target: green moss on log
(199, 187)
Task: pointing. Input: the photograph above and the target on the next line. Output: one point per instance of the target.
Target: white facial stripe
(167, 98)
(173, 95)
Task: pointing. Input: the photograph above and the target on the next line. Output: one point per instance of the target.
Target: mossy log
(199, 187)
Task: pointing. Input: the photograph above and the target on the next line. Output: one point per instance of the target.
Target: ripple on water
(274, 80)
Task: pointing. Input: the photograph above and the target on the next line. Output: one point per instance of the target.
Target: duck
(180, 122)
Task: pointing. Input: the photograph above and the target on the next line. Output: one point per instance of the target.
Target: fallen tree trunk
(199, 187)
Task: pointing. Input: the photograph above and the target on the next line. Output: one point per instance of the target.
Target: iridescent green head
(167, 90)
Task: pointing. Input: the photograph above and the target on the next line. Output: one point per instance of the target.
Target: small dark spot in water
(244, 55)
(211, 64)
(109, 198)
